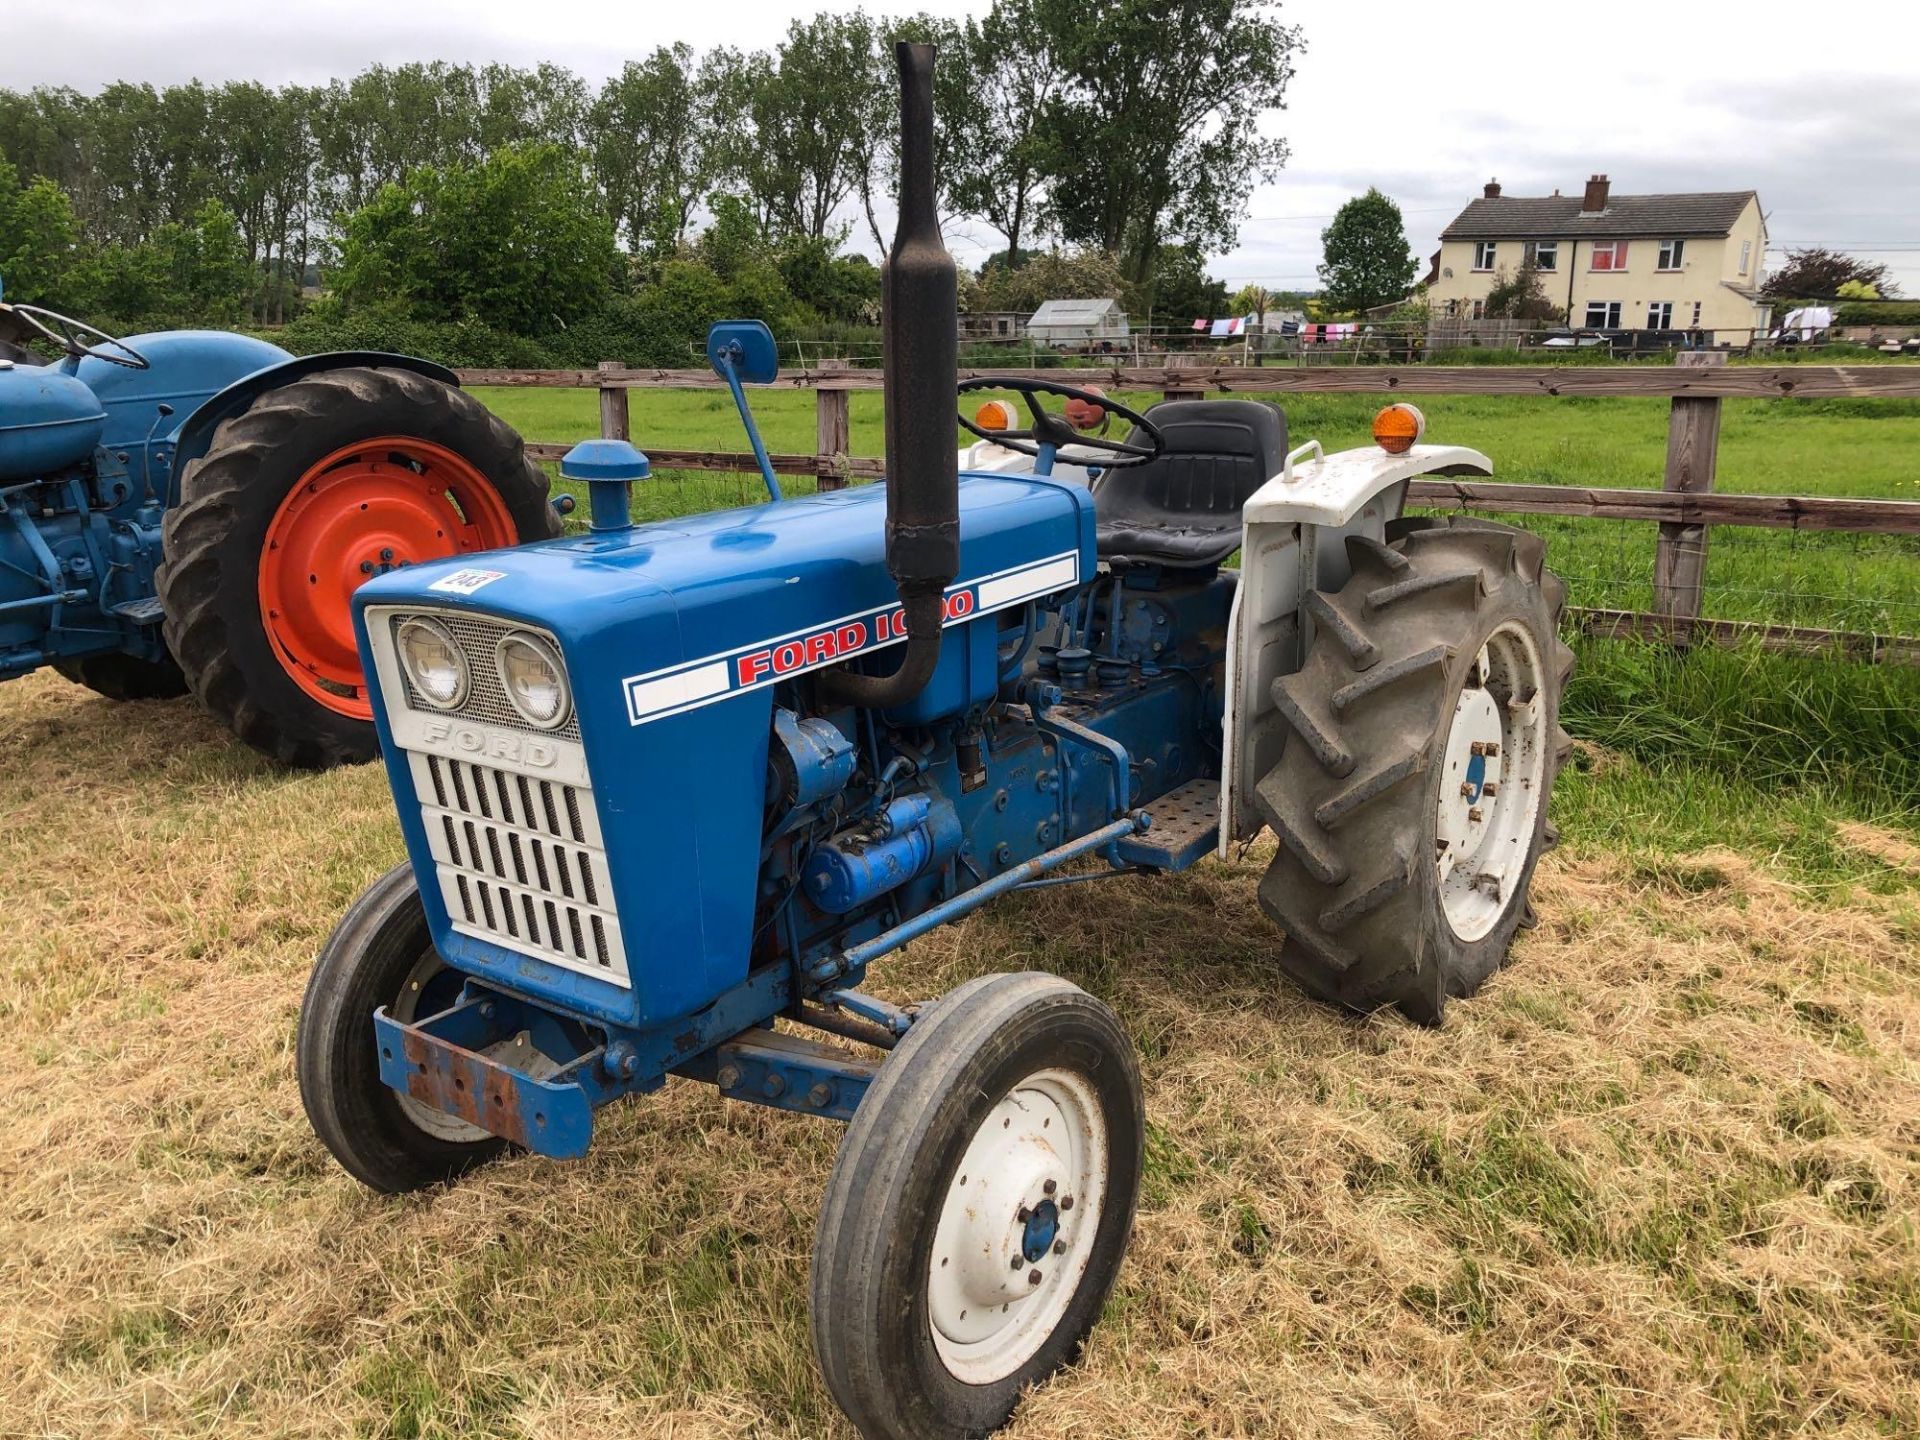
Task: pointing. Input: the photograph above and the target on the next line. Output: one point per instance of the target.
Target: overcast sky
(1425, 100)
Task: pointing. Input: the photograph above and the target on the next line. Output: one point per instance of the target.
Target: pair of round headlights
(529, 669)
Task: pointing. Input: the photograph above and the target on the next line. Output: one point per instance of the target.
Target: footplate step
(1186, 822)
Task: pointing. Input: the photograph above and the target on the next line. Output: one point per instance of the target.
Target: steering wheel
(68, 333)
(1057, 432)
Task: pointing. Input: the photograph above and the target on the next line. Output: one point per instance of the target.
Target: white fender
(1282, 558)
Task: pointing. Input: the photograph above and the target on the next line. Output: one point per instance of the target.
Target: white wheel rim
(1492, 782)
(515, 1050)
(1033, 1179)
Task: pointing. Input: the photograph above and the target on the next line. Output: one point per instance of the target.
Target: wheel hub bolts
(1033, 1276)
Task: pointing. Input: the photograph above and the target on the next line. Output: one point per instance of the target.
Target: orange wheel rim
(367, 508)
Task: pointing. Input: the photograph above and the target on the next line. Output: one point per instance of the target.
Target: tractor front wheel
(1410, 798)
(308, 493)
(381, 953)
(979, 1208)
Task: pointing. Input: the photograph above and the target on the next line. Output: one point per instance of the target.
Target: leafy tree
(956, 118)
(1366, 258)
(1521, 296)
(811, 108)
(1012, 71)
(196, 273)
(39, 239)
(1044, 275)
(517, 240)
(841, 289)
(1815, 273)
(1179, 290)
(1155, 138)
(655, 150)
(1251, 300)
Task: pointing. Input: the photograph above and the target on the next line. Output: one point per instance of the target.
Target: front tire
(316, 486)
(381, 953)
(979, 1208)
(1410, 798)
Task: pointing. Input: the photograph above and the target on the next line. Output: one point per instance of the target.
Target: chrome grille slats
(521, 862)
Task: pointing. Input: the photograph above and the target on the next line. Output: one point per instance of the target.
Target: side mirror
(746, 348)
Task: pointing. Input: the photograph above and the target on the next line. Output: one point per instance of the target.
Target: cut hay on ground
(1659, 1180)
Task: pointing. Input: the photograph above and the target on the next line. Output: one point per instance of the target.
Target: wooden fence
(1684, 507)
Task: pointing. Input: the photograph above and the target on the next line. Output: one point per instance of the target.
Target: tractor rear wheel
(125, 677)
(1410, 798)
(310, 491)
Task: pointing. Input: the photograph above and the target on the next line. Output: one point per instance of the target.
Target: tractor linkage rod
(860, 956)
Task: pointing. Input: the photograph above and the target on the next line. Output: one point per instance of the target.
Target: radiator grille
(521, 862)
(486, 701)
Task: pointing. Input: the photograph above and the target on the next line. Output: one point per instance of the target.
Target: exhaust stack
(918, 303)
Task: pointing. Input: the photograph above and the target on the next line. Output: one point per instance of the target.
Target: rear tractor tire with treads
(315, 487)
(1410, 798)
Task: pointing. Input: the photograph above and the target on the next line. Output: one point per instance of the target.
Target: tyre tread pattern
(1351, 882)
(211, 621)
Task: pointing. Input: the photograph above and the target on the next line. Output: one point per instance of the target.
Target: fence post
(1680, 554)
(1177, 392)
(833, 431)
(614, 421)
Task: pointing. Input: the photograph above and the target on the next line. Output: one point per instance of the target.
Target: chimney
(1596, 200)
(1492, 190)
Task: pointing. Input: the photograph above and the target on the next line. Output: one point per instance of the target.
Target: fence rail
(1684, 508)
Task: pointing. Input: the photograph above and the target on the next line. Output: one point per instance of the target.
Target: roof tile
(1558, 217)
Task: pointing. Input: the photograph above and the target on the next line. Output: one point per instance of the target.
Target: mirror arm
(726, 362)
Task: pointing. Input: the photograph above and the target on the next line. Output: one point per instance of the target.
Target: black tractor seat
(1182, 509)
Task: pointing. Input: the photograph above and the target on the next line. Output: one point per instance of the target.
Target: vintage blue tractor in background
(192, 510)
(668, 792)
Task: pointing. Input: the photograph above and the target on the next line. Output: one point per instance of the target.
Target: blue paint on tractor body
(764, 845)
(761, 841)
(90, 455)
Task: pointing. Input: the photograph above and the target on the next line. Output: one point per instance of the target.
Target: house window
(1603, 314)
(1696, 314)
(1479, 309)
(1673, 254)
(1660, 315)
(1543, 254)
(1610, 255)
(1746, 255)
(1483, 252)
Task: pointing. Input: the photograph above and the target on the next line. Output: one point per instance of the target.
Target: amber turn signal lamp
(994, 415)
(1398, 428)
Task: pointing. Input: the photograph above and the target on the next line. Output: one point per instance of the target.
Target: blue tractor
(191, 510)
(670, 790)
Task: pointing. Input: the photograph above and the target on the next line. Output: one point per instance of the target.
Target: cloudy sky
(1425, 100)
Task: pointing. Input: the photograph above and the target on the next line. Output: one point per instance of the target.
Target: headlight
(433, 662)
(535, 682)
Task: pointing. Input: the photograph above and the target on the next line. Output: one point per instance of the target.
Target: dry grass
(1661, 1179)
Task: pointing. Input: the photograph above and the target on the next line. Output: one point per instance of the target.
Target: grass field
(1660, 1179)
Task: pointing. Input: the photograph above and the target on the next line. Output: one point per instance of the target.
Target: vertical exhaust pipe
(921, 353)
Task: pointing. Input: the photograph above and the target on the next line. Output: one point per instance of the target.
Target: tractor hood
(48, 421)
(673, 636)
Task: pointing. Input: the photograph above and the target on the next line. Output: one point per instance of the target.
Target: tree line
(1130, 130)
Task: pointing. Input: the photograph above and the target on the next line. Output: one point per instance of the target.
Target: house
(1614, 262)
(1078, 324)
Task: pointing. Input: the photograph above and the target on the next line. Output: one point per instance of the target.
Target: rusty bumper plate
(440, 1063)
